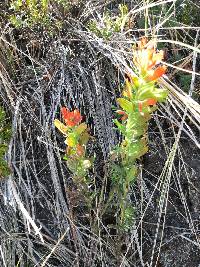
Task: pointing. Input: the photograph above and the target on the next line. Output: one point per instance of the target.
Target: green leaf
(137, 149)
(131, 173)
(136, 125)
(150, 91)
(71, 140)
(145, 91)
(121, 127)
(84, 138)
(128, 218)
(125, 104)
(117, 173)
(160, 94)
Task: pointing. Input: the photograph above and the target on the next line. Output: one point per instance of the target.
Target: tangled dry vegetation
(68, 62)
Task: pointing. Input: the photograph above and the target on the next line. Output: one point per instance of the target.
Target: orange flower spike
(146, 57)
(72, 118)
(157, 73)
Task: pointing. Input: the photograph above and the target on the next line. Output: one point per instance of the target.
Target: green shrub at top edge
(36, 13)
(110, 24)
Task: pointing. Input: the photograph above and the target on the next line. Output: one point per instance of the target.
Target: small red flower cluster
(71, 118)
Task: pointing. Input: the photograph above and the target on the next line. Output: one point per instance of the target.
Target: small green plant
(109, 25)
(5, 134)
(30, 13)
(77, 137)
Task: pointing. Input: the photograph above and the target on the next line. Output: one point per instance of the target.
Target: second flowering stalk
(139, 99)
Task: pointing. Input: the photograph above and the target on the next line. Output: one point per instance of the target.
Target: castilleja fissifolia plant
(76, 138)
(140, 97)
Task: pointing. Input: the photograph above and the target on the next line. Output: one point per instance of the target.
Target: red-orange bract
(157, 73)
(147, 102)
(123, 113)
(71, 118)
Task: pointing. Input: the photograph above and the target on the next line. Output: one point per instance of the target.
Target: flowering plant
(76, 138)
(139, 99)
